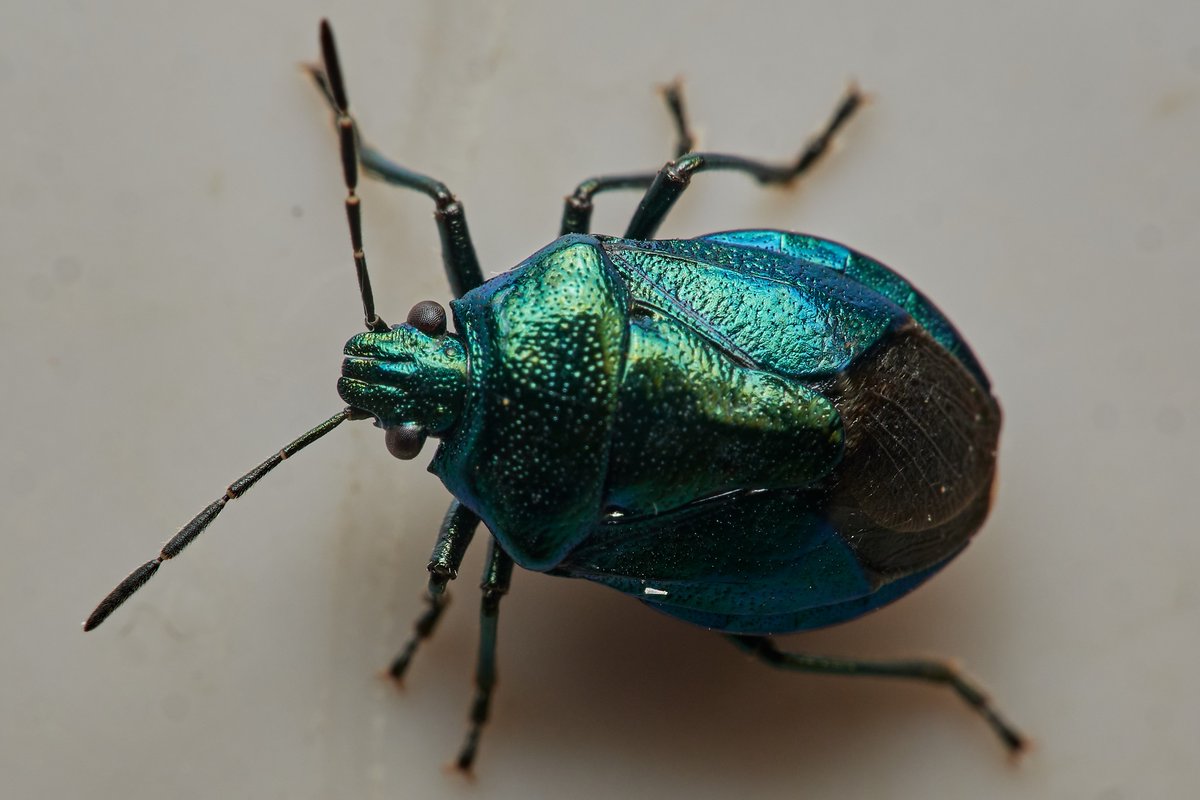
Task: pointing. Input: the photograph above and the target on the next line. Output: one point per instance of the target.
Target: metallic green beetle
(756, 431)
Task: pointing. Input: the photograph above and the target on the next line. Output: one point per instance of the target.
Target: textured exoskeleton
(756, 431)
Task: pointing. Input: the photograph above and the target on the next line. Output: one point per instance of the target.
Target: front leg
(458, 253)
(458, 527)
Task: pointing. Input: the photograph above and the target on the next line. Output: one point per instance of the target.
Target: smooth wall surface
(178, 286)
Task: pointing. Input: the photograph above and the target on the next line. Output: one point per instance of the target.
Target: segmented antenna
(187, 533)
(348, 143)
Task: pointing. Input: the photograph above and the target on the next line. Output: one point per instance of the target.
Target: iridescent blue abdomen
(755, 431)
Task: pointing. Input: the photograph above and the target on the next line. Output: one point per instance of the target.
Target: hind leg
(764, 649)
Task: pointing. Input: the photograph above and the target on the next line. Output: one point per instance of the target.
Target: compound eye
(405, 441)
(428, 317)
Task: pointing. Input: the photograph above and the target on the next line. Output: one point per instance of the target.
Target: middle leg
(577, 209)
(673, 178)
(497, 576)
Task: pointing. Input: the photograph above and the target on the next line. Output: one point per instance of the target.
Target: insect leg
(763, 648)
(458, 527)
(496, 579)
(673, 178)
(577, 209)
(458, 253)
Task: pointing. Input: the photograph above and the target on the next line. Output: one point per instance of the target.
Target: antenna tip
(120, 594)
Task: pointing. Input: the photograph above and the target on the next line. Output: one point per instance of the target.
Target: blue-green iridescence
(546, 343)
(868, 272)
(766, 309)
(717, 425)
(755, 431)
(406, 377)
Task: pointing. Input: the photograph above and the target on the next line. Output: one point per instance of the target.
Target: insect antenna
(190, 531)
(333, 85)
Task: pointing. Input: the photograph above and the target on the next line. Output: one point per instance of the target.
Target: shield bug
(755, 431)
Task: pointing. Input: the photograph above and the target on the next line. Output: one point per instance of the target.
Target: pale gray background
(177, 288)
